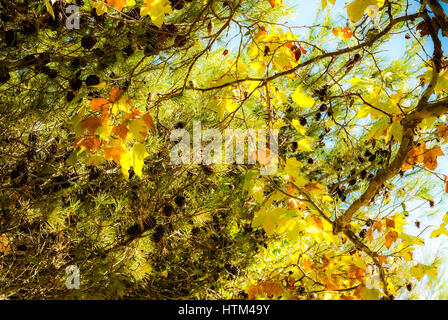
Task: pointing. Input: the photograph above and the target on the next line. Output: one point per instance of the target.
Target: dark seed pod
(323, 107)
(367, 153)
(51, 73)
(177, 4)
(22, 247)
(409, 286)
(159, 232)
(369, 223)
(28, 28)
(10, 37)
(310, 161)
(75, 63)
(70, 96)
(171, 29)
(4, 74)
(361, 159)
(168, 210)
(372, 158)
(88, 42)
(417, 223)
(363, 174)
(294, 145)
(210, 27)
(28, 60)
(302, 121)
(128, 51)
(134, 230)
(149, 223)
(363, 232)
(180, 41)
(92, 80)
(318, 116)
(208, 170)
(179, 201)
(179, 125)
(75, 84)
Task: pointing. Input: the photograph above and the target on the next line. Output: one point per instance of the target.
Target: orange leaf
(318, 222)
(446, 184)
(4, 242)
(330, 285)
(342, 33)
(290, 189)
(442, 131)
(415, 155)
(121, 131)
(131, 115)
(115, 94)
(119, 4)
(356, 272)
(292, 203)
(148, 120)
(100, 104)
(390, 223)
(272, 289)
(378, 226)
(304, 51)
(272, 3)
(311, 186)
(369, 234)
(91, 124)
(391, 237)
(382, 259)
(114, 153)
(430, 157)
(90, 143)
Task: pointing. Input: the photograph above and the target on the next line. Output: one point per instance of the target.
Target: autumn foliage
(87, 180)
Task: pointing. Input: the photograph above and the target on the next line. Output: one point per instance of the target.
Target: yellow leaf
(94, 160)
(138, 155)
(100, 7)
(138, 129)
(50, 8)
(438, 232)
(300, 129)
(301, 99)
(445, 218)
(292, 167)
(324, 3)
(156, 9)
(355, 10)
(125, 163)
(305, 144)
